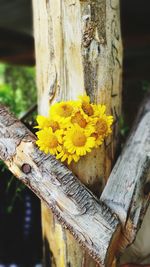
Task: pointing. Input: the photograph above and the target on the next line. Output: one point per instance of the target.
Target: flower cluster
(73, 128)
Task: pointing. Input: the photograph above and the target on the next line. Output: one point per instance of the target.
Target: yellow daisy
(79, 118)
(44, 122)
(84, 98)
(48, 141)
(98, 139)
(82, 120)
(90, 109)
(86, 106)
(61, 112)
(64, 155)
(99, 110)
(103, 125)
(78, 140)
(73, 128)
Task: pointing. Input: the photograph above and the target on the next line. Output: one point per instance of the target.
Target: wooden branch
(128, 187)
(76, 208)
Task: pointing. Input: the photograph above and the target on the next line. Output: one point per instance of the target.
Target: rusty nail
(26, 168)
(147, 188)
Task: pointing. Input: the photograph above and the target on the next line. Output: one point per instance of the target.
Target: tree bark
(78, 49)
(127, 190)
(76, 208)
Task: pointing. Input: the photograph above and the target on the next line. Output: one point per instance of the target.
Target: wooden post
(78, 49)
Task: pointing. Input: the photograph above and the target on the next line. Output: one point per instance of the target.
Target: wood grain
(127, 191)
(92, 224)
(78, 50)
(103, 227)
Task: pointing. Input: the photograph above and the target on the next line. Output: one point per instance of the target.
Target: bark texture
(95, 225)
(127, 190)
(78, 49)
(77, 209)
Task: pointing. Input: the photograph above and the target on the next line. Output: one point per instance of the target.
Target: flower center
(101, 127)
(95, 135)
(65, 110)
(79, 139)
(52, 141)
(54, 125)
(78, 118)
(87, 108)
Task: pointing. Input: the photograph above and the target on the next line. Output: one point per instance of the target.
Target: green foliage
(146, 86)
(18, 92)
(18, 89)
(123, 127)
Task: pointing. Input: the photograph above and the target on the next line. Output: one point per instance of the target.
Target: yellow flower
(61, 112)
(82, 120)
(90, 109)
(84, 98)
(86, 106)
(98, 139)
(103, 125)
(64, 155)
(78, 118)
(99, 110)
(78, 140)
(44, 122)
(48, 141)
(73, 129)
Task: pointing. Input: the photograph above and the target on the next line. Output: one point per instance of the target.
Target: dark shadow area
(20, 226)
(16, 32)
(135, 24)
(20, 214)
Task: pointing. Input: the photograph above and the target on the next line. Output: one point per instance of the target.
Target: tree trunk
(78, 50)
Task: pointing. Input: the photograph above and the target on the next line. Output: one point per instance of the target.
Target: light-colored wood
(92, 224)
(127, 190)
(78, 49)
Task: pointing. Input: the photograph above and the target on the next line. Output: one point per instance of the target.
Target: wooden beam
(127, 190)
(78, 50)
(92, 225)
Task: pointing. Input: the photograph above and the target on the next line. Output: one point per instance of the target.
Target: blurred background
(20, 228)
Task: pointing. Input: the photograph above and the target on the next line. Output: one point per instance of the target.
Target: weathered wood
(127, 190)
(76, 208)
(138, 252)
(78, 49)
(91, 222)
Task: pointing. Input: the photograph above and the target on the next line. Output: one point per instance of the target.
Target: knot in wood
(88, 34)
(147, 188)
(26, 168)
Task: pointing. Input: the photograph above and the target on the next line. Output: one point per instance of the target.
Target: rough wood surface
(127, 190)
(138, 252)
(76, 208)
(91, 222)
(78, 49)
